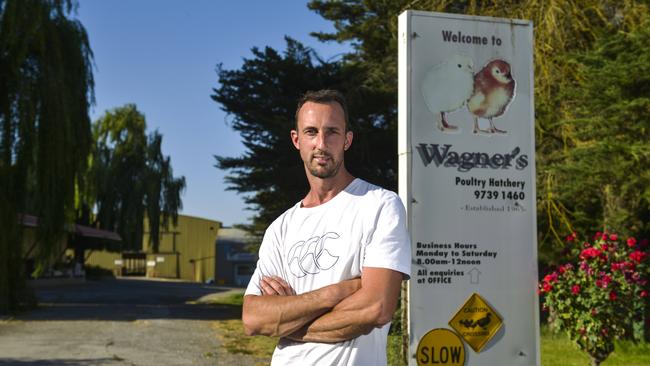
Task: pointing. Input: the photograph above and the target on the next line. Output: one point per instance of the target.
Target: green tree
(602, 173)
(162, 190)
(262, 96)
(128, 178)
(46, 86)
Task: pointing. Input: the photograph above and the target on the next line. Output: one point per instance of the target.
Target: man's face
(321, 138)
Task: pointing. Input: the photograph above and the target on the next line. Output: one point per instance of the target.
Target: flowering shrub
(596, 299)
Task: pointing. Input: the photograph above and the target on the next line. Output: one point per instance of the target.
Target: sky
(162, 55)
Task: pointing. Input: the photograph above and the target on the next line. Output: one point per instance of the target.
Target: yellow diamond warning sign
(476, 322)
(441, 347)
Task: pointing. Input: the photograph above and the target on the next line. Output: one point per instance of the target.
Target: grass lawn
(557, 350)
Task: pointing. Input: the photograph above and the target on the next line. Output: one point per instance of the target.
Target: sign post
(467, 177)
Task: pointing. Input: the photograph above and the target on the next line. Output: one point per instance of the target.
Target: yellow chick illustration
(494, 89)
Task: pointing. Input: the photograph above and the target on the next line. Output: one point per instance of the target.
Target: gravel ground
(119, 322)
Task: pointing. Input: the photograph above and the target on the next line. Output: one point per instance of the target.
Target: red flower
(551, 278)
(565, 267)
(599, 283)
(613, 295)
(606, 280)
(637, 256)
(629, 265)
(547, 287)
(575, 289)
(643, 293)
(598, 235)
(631, 242)
(589, 253)
(613, 237)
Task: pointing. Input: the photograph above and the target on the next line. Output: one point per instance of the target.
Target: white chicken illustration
(494, 89)
(447, 86)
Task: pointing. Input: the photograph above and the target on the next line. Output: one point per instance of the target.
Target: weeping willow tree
(46, 86)
(162, 189)
(128, 178)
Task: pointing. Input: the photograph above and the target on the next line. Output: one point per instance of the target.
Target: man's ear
(348, 140)
(294, 139)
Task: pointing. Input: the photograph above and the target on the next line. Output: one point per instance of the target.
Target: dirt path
(119, 322)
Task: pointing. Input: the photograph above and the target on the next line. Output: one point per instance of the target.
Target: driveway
(119, 322)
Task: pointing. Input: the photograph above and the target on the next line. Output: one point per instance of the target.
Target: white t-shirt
(362, 226)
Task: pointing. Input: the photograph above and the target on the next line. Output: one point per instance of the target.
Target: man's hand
(274, 285)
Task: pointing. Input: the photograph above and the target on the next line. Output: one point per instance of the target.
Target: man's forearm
(370, 307)
(282, 315)
(337, 325)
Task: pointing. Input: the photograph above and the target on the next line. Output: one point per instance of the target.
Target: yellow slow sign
(440, 346)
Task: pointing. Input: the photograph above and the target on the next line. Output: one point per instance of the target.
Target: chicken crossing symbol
(476, 322)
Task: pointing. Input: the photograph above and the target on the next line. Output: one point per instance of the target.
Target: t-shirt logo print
(310, 256)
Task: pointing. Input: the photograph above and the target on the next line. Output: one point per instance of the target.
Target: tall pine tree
(261, 98)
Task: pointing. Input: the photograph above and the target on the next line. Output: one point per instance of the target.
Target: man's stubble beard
(325, 172)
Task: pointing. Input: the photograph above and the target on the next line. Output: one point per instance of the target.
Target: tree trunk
(12, 280)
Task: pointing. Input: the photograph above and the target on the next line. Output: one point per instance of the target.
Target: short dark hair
(324, 96)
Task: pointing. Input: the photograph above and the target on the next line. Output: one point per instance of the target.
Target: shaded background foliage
(46, 86)
(601, 173)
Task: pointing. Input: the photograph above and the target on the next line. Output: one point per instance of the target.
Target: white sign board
(467, 176)
(160, 259)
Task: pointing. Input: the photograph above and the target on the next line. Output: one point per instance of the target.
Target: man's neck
(322, 190)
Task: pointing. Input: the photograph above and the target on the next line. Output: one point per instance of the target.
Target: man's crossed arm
(333, 313)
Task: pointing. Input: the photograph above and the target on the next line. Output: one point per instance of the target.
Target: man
(330, 268)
